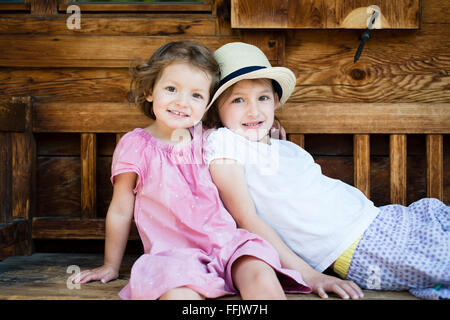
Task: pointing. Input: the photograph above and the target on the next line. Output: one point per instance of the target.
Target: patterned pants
(406, 248)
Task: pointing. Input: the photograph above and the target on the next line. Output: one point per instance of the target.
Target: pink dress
(189, 238)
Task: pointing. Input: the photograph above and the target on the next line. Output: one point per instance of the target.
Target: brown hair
(145, 74)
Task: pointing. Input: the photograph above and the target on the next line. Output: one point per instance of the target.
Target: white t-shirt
(316, 216)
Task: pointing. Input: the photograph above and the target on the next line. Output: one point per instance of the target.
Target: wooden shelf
(324, 14)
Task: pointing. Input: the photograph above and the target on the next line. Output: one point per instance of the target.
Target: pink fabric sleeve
(129, 157)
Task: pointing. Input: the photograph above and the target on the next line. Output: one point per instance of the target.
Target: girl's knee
(181, 293)
(252, 273)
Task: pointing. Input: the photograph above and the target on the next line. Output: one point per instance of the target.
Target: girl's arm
(229, 177)
(118, 221)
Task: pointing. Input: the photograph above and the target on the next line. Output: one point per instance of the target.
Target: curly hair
(144, 74)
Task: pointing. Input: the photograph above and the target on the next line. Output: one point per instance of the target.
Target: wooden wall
(41, 57)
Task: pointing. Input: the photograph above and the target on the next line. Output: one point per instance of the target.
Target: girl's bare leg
(256, 280)
(182, 293)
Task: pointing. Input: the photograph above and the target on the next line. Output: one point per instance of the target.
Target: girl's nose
(182, 100)
(252, 109)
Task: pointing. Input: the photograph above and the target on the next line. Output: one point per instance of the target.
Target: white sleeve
(223, 144)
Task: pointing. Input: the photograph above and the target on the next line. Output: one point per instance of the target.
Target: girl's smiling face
(248, 108)
(180, 96)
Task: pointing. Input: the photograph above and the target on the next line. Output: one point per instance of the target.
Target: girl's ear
(149, 97)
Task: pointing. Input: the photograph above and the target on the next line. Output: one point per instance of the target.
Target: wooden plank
(91, 25)
(14, 6)
(58, 187)
(397, 158)
(298, 139)
(88, 175)
(365, 118)
(141, 7)
(295, 117)
(296, 14)
(362, 163)
(23, 165)
(396, 66)
(86, 50)
(15, 238)
(88, 117)
(118, 137)
(400, 14)
(435, 166)
(12, 116)
(43, 276)
(54, 228)
(5, 177)
(43, 8)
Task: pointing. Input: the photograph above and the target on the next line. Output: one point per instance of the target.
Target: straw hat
(239, 61)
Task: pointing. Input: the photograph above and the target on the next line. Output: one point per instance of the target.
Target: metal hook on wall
(366, 35)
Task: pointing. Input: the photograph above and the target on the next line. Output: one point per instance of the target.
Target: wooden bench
(20, 119)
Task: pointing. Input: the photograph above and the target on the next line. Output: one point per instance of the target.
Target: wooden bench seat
(43, 276)
(25, 275)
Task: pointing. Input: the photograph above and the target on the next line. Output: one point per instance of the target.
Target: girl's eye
(264, 98)
(171, 89)
(197, 96)
(237, 100)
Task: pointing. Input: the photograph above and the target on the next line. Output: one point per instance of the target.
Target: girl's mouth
(178, 114)
(253, 124)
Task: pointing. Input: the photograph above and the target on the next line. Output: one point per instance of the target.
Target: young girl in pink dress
(192, 247)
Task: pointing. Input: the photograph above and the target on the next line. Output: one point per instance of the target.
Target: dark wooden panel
(15, 238)
(337, 167)
(58, 144)
(58, 187)
(5, 177)
(12, 116)
(85, 50)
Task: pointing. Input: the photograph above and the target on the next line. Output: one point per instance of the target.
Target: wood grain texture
(323, 14)
(88, 117)
(43, 276)
(142, 7)
(86, 50)
(395, 66)
(123, 26)
(398, 168)
(365, 118)
(88, 175)
(12, 116)
(58, 187)
(435, 166)
(54, 228)
(361, 160)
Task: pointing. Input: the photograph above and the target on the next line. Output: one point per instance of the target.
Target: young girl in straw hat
(274, 189)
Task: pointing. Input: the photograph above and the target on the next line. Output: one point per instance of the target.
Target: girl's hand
(104, 273)
(322, 283)
(277, 131)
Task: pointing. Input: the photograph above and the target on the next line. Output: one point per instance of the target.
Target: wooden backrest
(396, 120)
